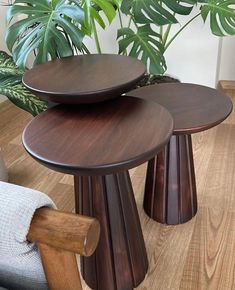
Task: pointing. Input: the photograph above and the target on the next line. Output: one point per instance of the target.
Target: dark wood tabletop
(194, 107)
(84, 78)
(100, 138)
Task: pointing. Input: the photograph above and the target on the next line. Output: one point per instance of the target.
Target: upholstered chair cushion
(20, 263)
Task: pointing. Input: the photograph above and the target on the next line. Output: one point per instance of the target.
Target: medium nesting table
(97, 144)
(170, 190)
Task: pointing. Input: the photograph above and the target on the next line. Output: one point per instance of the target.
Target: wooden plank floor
(197, 255)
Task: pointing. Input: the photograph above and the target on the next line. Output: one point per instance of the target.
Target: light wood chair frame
(59, 236)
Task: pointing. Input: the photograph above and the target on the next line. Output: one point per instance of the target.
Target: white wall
(2, 34)
(192, 57)
(227, 60)
(2, 26)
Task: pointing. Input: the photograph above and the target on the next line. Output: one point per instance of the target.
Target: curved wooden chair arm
(59, 236)
(67, 231)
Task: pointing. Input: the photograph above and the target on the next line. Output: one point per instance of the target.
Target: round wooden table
(170, 190)
(98, 143)
(85, 78)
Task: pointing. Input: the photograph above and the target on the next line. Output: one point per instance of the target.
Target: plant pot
(3, 170)
(158, 79)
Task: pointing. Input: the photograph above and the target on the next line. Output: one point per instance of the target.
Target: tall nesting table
(170, 191)
(98, 143)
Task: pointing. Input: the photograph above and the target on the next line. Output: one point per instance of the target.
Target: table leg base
(170, 189)
(120, 261)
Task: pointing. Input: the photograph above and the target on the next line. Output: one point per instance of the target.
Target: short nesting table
(97, 144)
(170, 190)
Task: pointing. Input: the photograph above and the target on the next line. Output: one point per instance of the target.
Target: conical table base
(120, 261)
(170, 190)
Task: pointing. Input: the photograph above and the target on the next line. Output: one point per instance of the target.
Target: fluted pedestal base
(120, 261)
(170, 190)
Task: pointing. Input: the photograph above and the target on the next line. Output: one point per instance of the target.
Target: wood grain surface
(98, 139)
(195, 108)
(120, 260)
(60, 268)
(170, 189)
(84, 78)
(198, 255)
(63, 230)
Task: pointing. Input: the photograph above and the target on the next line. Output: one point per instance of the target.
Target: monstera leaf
(222, 16)
(145, 45)
(159, 12)
(52, 28)
(11, 86)
(92, 8)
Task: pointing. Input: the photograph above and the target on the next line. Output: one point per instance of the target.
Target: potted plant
(56, 28)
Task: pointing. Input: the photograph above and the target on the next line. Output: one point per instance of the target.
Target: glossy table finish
(98, 144)
(170, 191)
(84, 78)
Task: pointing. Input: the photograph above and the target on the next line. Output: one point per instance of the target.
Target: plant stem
(129, 22)
(161, 31)
(134, 23)
(97, 43)
(121, 24)
(166, 34)
(161, 27)
(120, 18)
(173, 38)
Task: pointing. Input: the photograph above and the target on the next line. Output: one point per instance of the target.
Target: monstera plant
(57, 28)
(151, 34)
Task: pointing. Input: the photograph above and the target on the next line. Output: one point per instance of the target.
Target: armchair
(58, 236)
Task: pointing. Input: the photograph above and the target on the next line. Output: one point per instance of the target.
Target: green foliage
(159, 12)
(222, 16)
(11, 86)
(145, 45)
(92, 8)
(51, 29)
(8, 67)
(56, 28)
(162, 14)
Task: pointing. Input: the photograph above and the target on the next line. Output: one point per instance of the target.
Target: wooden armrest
(67, 231)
